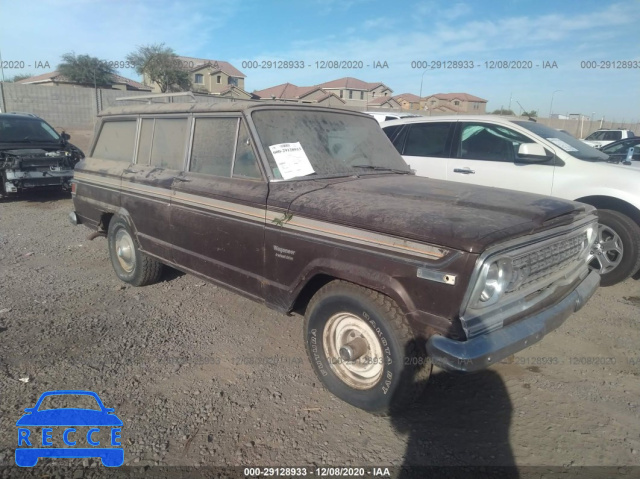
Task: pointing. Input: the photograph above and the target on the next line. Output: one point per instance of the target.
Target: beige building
(345, 91)
(55, 79)
(356, 92)
(408, 101)
(214, 77)
(299, 94)
(454, 103)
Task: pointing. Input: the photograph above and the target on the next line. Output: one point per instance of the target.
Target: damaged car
(33, 154)
(311, 210)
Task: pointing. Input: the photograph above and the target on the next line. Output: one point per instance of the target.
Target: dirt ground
(201, 376)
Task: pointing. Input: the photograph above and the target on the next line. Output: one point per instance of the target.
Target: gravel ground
(201, 376)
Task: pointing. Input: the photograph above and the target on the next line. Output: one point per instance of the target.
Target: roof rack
(149, 98)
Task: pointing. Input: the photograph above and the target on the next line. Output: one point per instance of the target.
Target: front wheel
(362, 349)
(616, 251)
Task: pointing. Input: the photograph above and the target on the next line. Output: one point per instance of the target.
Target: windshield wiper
(382, 168)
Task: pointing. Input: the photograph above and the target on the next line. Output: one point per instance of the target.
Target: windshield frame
(585, 152)
(385, 167)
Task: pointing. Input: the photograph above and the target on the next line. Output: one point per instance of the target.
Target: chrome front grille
(537, 265)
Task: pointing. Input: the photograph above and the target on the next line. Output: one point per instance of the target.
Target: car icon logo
(72, 421)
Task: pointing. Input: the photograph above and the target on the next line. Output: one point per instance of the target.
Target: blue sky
(397, 32)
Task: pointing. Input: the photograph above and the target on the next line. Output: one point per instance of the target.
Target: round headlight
(498, 277)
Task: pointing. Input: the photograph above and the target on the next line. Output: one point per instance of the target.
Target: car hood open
(448, 214)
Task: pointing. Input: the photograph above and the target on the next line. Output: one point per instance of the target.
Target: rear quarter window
(169, 143)
(116, 140)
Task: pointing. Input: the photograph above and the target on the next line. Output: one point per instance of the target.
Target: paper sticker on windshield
(291, 159)
(562, 144)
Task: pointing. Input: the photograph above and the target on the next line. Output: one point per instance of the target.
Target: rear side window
(169, 143)
(213, 146)
(613, 136)
(427, 139)
(116, 141)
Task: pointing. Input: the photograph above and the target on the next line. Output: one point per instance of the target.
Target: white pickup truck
(527, 156)
(601, 138)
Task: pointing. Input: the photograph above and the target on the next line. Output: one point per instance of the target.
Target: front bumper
(483, 351)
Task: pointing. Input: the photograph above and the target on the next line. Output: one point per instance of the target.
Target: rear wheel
(616, 252)
(130, 264)
(362, 349)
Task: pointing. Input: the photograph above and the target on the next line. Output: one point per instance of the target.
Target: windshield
(26, 130)
(621, 147)
(567, 143)
(67, 401)
(303, 142)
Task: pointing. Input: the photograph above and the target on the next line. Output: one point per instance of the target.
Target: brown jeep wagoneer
(312, 210)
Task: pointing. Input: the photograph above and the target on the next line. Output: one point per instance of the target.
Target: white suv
(601, 138)
(527, 156)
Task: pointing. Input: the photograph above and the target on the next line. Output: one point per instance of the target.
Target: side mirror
(627, 160)
(533, 151)
(66, 136)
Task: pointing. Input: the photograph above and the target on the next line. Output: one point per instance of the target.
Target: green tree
(86, 70)
(160, 64)
(503, 111)
(20, 76)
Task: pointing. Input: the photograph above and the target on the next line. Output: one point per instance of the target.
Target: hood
(444, 213)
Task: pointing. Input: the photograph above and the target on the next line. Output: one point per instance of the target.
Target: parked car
(601, 138)
(528, 156)
(33, 154)
(618, 150)
(311, 210)
(381, 116)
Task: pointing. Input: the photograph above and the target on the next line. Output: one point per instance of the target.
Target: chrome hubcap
(354, 350)
(606, 252)
(125, 251)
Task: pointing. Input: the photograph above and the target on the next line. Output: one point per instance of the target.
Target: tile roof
(286, 91)
(381, 100)
(55, 76)
(224, 67)
(410, 97)
(457, 96)
(352, 83)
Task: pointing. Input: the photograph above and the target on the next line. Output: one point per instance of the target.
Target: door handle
(464, 171)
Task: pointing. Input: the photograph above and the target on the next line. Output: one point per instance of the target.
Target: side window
(213, 145)
(489, 142)
(391, 131)
(400, 138)
(613, 136)
(116, 141)
(144, 145)
(169, 143)
(245, 165)
(427, 139)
